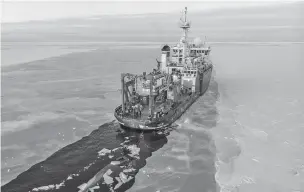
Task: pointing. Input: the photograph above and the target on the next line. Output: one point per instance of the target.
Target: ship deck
(158, 107)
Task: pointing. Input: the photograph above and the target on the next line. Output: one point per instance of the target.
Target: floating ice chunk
(115, 162)
(118, 184)
(104, 151)
(107, 179)
(93, 188)
(43, 188)
(134, 151)
(253, 159)
(60, 185)
(129, 170)
(87, 167)
(109, 171)
(123, 177)
(49, 187)
(71, 176)
(116, 149)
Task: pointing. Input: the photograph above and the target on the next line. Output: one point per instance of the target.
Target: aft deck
(165, 107)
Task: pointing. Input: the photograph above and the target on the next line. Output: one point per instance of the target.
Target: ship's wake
(77, 163)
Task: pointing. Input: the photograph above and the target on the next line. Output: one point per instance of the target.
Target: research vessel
(157, 99)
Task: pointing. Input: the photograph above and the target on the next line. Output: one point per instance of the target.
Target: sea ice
(134, 151)
(108, 180)
(104, 151)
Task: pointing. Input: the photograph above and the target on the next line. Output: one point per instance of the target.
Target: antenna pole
(185, 25)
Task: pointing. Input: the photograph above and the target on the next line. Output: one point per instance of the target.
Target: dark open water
(81, 158)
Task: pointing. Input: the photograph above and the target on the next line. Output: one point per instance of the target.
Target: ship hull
(172, 115)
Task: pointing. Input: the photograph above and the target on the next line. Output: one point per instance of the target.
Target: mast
(185, 25)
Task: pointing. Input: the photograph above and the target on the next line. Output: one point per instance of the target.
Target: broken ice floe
(107, 179)
(123, 176)
(115, 162)
(134, 151)
(116, 149)
(87, 167)
(71, 176)
(125, 142)
(93, 188)
(49, 187)
(104, 151)
(129, 170)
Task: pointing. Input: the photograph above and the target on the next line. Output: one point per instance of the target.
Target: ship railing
(190, 68)
(159, 87)
(175, 64)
